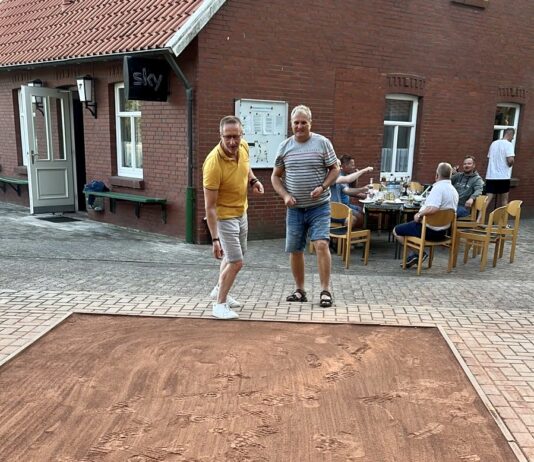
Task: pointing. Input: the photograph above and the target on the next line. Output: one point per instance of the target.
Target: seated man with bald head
(443, 196)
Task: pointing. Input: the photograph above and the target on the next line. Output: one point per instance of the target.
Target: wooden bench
(136, 199)
(14, 182)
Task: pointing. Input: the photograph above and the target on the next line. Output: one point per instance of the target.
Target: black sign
(145, 79)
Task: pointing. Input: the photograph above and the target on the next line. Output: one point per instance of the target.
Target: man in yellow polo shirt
(227, 175)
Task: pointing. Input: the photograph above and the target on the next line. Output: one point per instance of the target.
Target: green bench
(136, 199)
(14, 182)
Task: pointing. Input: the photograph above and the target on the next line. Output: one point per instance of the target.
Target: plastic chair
(440, 218)
(347, 237)
(482, 237)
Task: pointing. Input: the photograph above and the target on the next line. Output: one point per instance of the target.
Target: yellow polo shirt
(229, 177)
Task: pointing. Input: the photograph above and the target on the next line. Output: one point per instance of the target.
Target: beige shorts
(233, 235)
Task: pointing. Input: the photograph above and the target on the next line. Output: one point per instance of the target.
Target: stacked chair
(496, 231)
(477, 216)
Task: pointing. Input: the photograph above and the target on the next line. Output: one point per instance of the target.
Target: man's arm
(430, 210)
(278, 186)
(351, 178)
(478, 187)
(210, 203)
(333, 173)
(254, 182)
(510, 161)
(356, 192)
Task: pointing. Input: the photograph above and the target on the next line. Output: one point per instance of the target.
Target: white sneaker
(223, 311)
(232, 302)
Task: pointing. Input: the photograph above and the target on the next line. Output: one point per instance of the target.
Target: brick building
(399, 84)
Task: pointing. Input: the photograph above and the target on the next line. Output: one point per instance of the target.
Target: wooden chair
(513, 209)
(347, 237)
(477, 217)
(416, 187)
(508, 234)
(418, 244)
(482, 237)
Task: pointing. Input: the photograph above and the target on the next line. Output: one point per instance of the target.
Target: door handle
(33, 155)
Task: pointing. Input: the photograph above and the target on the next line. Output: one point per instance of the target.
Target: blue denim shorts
(303, 222)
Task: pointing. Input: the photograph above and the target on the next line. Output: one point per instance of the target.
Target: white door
(49, 143)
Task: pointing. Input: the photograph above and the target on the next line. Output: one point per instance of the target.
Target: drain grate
(58, 219)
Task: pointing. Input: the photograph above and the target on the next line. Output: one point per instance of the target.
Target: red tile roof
(35, 31)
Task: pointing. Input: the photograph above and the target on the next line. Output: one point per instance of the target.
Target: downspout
(190, 190)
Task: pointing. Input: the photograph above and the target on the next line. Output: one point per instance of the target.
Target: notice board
(265, 127)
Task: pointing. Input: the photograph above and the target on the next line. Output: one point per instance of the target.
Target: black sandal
(298, 296)
(326, 299)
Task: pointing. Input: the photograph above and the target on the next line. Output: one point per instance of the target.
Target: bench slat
(127, 197)
(136, 199)
(13, 182)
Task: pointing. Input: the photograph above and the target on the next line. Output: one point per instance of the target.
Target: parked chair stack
(496, 231)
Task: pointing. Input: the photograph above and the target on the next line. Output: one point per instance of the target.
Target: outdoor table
(395, 210)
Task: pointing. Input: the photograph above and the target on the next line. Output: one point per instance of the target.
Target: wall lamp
(86, 90)
(37, 100)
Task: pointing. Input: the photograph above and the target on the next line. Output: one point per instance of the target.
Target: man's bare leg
(324, 262)
(227, 277)
(296, 259)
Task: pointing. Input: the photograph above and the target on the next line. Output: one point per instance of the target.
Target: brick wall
(340, 58)
(336, 58)
(163, 127)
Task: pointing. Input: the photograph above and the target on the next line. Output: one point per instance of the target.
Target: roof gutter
(83, 59)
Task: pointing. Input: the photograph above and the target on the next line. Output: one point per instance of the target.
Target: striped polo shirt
(305, 167)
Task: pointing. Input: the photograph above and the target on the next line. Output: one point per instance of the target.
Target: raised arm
(353, 176)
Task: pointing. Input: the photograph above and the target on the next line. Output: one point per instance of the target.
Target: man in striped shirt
(305, 168)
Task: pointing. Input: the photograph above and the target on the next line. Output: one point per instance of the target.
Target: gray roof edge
(193, 25)
(83, 59)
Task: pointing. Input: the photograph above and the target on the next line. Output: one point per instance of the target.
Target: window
(506, 116)
(129, 139)
(399, 136)
(23, 137)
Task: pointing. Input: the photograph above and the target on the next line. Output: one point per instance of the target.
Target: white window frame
(22, 123)
(396, 124)
(133, 172)
(501, 128)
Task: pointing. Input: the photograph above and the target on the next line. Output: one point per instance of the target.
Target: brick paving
(52, 269)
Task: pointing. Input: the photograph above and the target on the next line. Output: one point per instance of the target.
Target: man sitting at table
(469, 185)
(342, 190)
(443, 196)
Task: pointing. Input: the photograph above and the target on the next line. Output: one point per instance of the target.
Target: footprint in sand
(338, 447)
(313, 360)
(380, 398)
(431, 429)
(344, 373)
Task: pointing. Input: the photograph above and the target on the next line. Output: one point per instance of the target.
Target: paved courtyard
(51, 269)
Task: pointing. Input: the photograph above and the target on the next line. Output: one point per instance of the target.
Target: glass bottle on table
(370, 190)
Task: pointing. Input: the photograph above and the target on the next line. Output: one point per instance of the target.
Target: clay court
(106, 388)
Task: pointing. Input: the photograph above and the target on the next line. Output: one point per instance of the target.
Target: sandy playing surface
(117, 388)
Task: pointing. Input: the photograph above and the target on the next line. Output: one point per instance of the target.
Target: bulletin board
(265, 127)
